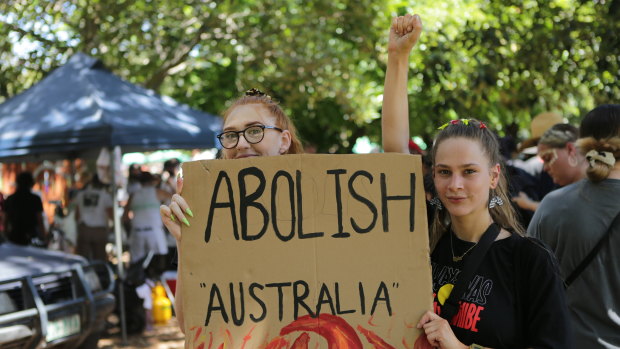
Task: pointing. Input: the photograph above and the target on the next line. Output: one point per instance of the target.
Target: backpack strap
(588, 259)
(451, 305)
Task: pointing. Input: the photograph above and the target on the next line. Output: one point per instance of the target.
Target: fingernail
(409, 28)
(189, 212)
(172, 218)
(185, 221)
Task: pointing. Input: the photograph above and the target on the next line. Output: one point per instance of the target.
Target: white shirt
(93, 204)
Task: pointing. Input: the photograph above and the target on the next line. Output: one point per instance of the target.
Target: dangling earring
(572, 161)
(496, 201)
(437, 203)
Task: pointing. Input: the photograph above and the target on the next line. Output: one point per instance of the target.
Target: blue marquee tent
(81, 107)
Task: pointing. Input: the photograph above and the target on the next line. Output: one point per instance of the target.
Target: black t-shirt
(22, 213)
(515, 299)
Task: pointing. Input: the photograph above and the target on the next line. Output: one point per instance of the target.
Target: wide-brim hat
(540, 123)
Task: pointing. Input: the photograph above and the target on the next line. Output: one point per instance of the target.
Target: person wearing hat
(539, 125)
(528, 148)
(561, 160)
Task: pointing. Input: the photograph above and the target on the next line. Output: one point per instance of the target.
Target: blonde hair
(559, 135)
(504, 215)
(598, 170)
(282, 120)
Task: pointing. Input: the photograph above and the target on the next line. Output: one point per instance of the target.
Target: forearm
(532, 205)
(524, 202)
(395, 113)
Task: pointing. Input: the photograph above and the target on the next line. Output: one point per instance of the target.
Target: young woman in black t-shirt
(515, 298)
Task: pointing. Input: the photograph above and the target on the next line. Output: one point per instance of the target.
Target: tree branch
(175, 57)
(34, 35)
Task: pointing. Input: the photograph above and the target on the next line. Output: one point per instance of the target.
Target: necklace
(459, 258)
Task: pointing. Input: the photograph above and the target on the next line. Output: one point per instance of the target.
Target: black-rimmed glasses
(253, 134)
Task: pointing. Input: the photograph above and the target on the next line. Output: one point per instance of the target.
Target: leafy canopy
(500, 61)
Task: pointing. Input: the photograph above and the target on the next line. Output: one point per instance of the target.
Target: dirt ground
(167, 336)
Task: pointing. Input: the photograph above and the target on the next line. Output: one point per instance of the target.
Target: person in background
(471, 188)
(133, 179)
(538, 126)
(93, 213)
(169, 176)
(168, 183)
(147, 231)
(519, 181)
(561, 160)
(574, 219)
(24, 213)
(529, 161)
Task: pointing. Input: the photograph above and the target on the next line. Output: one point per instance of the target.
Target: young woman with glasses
(254, 125)
(515, 298)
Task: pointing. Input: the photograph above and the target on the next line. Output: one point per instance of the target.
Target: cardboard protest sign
(306, 251)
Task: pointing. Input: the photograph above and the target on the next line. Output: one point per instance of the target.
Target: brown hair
(600, 129)
(504, 215)
(282, 120)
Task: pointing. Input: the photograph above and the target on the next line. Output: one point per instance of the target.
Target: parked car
(52, 299)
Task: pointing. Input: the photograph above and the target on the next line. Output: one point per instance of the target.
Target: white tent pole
(119, 248)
